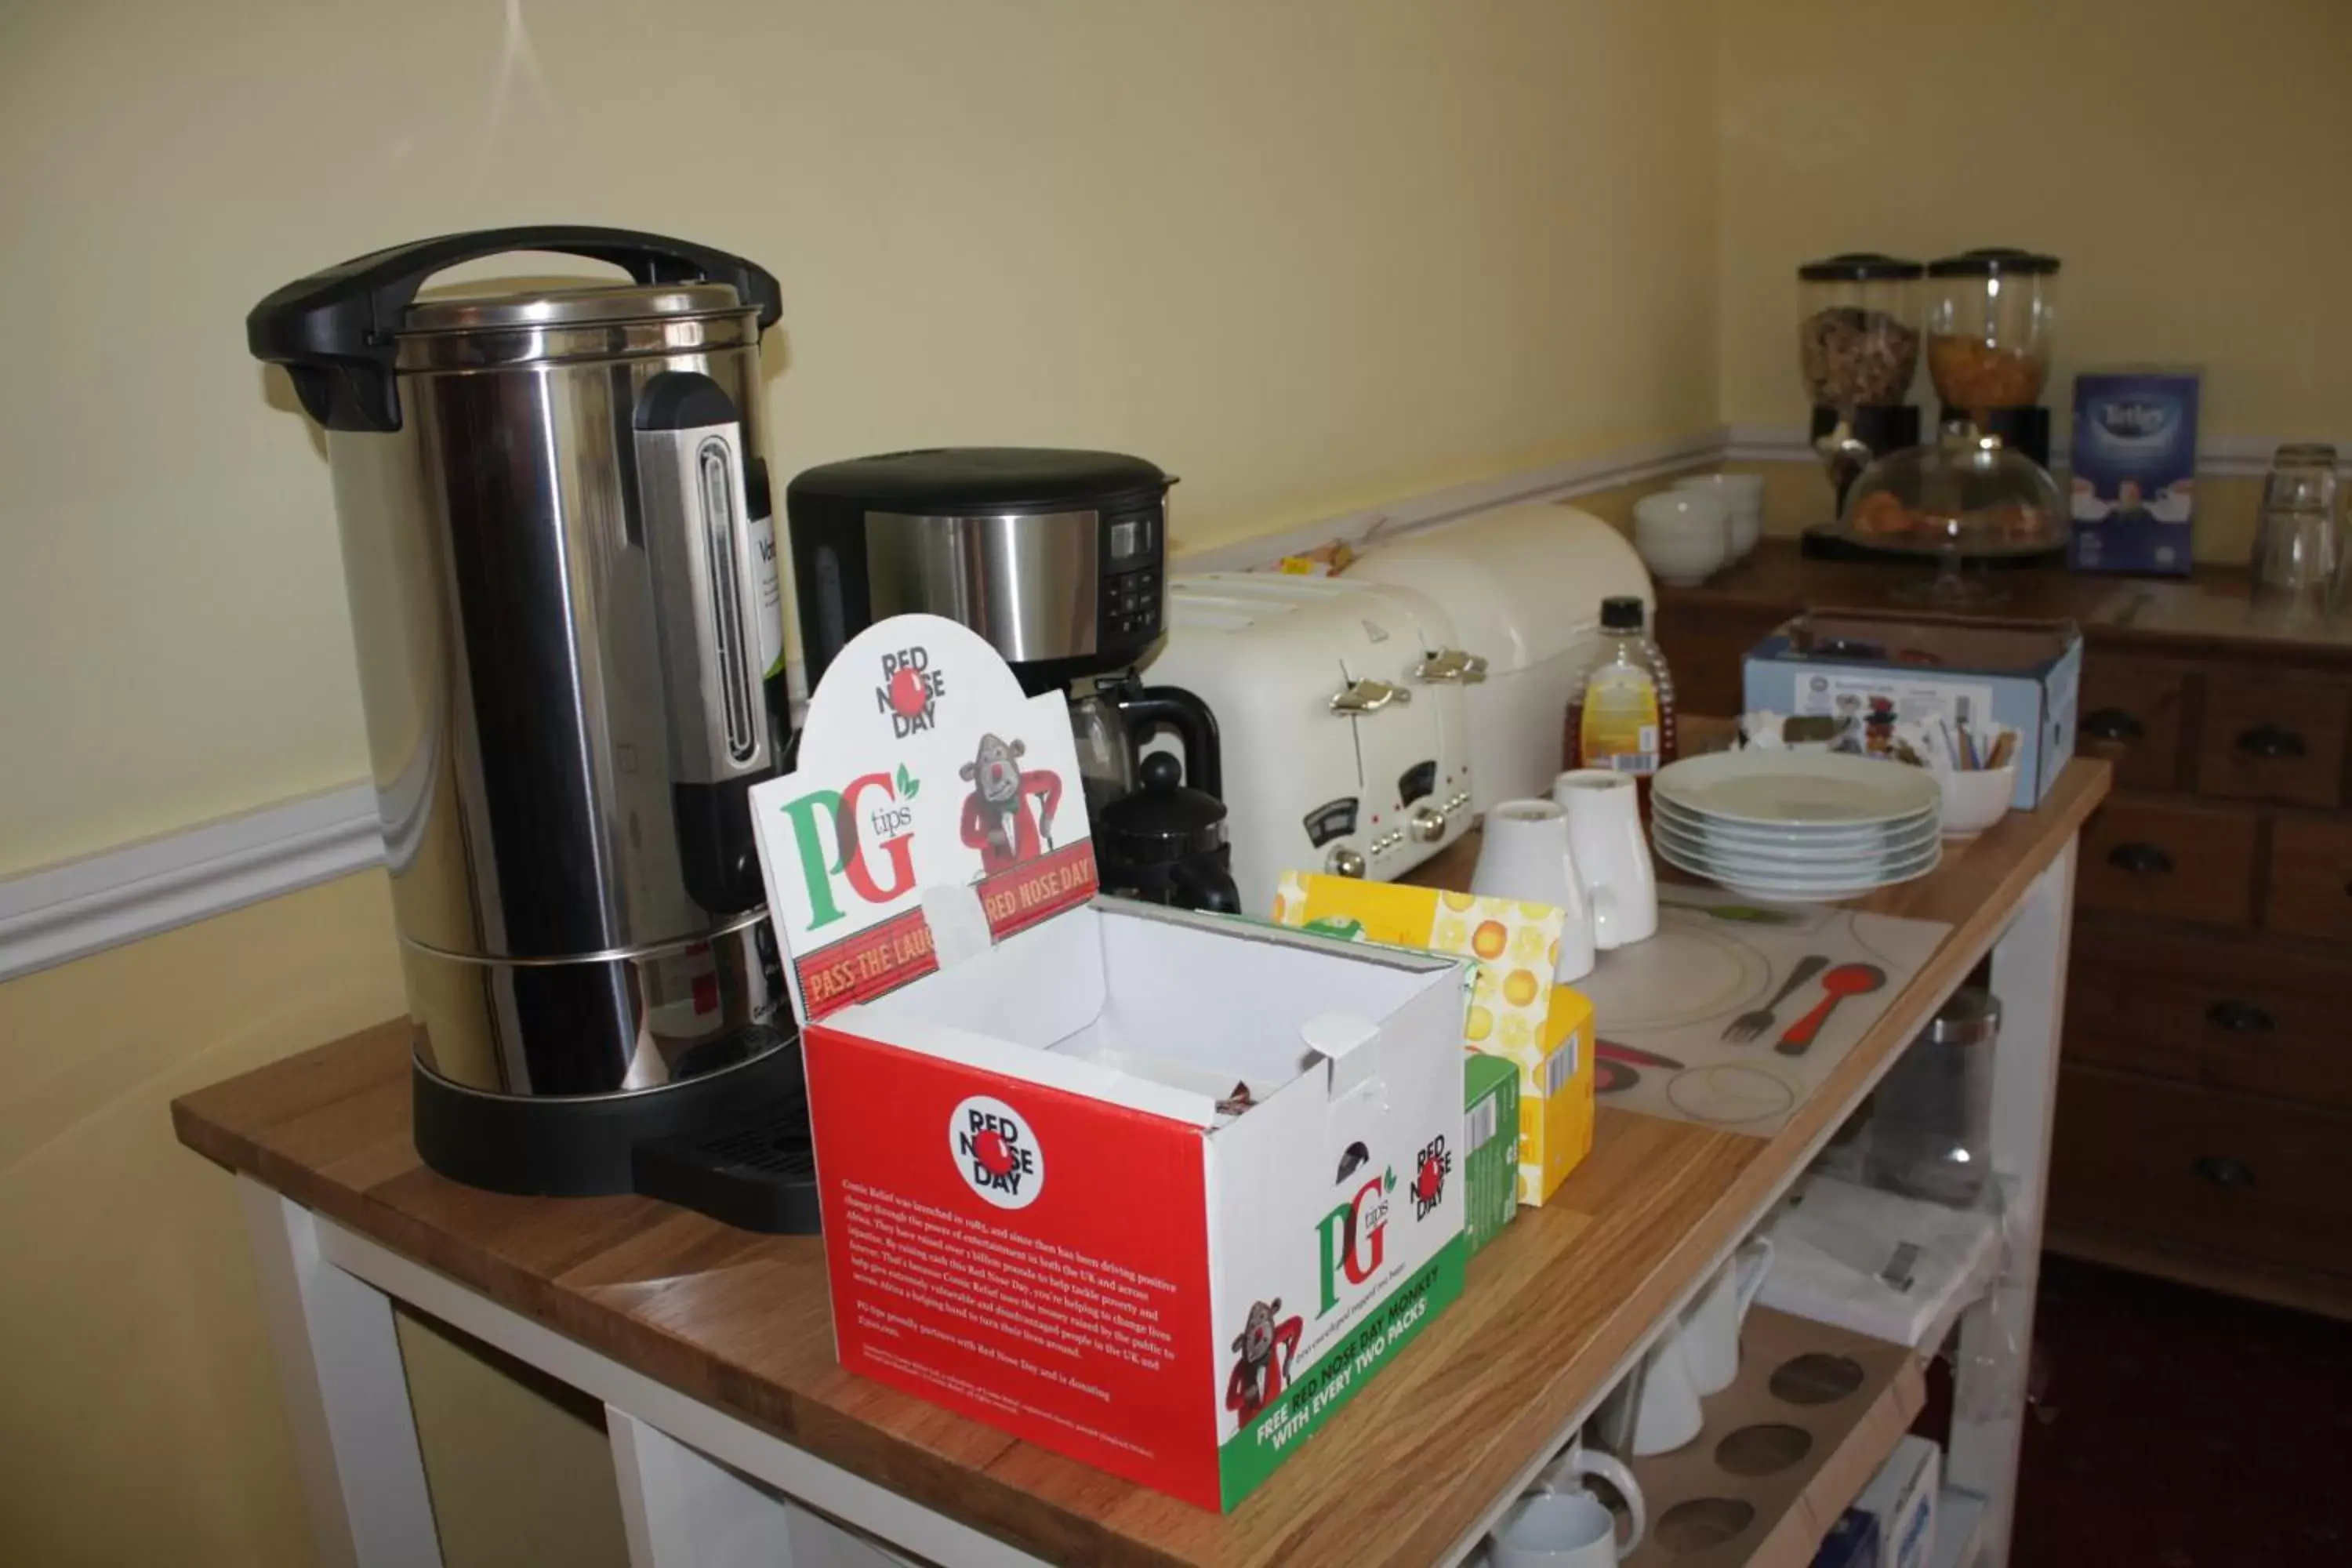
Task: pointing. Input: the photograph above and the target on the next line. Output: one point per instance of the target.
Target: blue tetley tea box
(2134, 483)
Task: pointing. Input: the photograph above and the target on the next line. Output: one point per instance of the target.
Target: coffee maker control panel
(1133, 549)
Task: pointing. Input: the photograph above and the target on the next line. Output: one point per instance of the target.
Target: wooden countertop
(2211, 607)
(1401, 1476)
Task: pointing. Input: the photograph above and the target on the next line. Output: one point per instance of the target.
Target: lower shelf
(1785, 1450)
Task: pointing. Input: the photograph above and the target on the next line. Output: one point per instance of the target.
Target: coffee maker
(1058, 559)
(564, 594)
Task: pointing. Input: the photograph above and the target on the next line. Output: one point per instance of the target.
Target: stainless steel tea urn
(561, 570)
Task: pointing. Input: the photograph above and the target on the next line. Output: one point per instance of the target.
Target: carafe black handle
(1147, 709)
(333, 330)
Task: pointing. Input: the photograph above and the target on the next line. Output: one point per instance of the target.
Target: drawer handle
(2113, 725)
(2239, 1019)
(2223, 1171)
(2140, 860)
(2270, 740)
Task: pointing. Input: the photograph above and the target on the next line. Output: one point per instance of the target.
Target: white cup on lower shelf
(1559, 1525)
(1711, 1326)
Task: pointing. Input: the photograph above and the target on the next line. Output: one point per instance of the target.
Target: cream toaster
(1526, 581)
(1341, 706)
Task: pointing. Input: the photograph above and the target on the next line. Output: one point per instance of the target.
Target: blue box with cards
(2133, 495)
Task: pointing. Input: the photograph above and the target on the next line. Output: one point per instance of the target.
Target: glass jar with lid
(1989, 319)
(1858, 330)
(1964, 496)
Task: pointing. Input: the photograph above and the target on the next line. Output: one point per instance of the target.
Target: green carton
(1490, 1140)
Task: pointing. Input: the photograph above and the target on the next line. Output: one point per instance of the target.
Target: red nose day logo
(910, 692)
(995, 1153)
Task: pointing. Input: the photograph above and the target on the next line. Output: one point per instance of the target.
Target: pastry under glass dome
(1964, 496)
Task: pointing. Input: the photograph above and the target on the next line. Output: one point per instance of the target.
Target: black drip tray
(757, 1171)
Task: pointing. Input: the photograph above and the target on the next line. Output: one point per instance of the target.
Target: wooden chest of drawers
(2204, 1125)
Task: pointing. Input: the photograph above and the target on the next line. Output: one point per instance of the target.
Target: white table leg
(339, 1366)
(683, 1509)
(2028, 975)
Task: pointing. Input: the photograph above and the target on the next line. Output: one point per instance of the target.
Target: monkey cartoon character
(1259, 1375)
(996, 817)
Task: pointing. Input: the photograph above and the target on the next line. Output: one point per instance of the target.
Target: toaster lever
(1368, 697)
(1452, 664)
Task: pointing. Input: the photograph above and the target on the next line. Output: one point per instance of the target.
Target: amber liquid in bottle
(1620, 716)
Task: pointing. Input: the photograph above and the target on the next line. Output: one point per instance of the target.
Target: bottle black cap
(1622, 614)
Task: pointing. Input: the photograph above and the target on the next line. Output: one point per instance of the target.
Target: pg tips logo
(1430, 1168)
(910, 691)
(863, 834)
(995, 1153)
(1353, 1237)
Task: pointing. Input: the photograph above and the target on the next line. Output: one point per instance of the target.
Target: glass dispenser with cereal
(1990, 316)
(1857, 349)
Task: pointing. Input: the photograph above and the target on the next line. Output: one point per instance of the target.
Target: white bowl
(1683, 511)
(1682, 563)
(1742, 497)
(1975, 800)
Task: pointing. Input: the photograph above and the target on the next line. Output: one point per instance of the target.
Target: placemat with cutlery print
(1734, 1011)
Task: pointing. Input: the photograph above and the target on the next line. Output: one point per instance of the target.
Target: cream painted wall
(2190, 162)
(139, 1409)
(1309, 256)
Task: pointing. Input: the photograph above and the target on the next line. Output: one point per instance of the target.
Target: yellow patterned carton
(1514, 1011)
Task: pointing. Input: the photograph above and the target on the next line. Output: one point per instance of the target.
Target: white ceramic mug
(1524, 856)
(1711, 1326)
(1561, 1525)
(1604, 835)
(1670, 1415)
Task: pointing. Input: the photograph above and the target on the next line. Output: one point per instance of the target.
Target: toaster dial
(1427, 825)
(1344, 862)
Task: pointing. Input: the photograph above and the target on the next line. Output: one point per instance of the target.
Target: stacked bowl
(1742, 498)
(1797, 827)
(1682, 535)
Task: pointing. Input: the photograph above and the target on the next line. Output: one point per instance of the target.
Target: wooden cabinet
(2205, 1123)
(2271, 737)
(2130, 714)
(2228, 1013)
(2181, 860)
(2226, 1173)
(2311, 878)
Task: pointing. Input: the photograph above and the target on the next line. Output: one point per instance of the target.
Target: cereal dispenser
(1858, 346)
(1990, 315)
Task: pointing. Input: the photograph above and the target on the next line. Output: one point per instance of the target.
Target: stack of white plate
(1798, 826)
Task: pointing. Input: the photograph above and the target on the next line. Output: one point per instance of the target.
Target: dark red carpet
(2175, 1428)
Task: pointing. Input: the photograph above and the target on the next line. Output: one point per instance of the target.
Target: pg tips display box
(1156, 1191)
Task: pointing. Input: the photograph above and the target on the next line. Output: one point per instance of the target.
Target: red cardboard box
(1155, 1190)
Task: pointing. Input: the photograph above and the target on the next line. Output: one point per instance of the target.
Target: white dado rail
(63, 912)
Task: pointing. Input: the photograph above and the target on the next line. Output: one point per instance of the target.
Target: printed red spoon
(1847, 980)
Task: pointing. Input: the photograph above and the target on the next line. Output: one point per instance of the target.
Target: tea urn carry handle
(334, 331)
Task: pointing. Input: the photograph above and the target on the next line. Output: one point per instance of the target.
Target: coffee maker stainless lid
(1055, 556)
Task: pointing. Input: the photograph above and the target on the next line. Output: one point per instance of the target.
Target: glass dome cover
(1964, 492)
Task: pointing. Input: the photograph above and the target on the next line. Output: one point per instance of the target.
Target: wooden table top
(2211, 609)
(1550, 1309)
